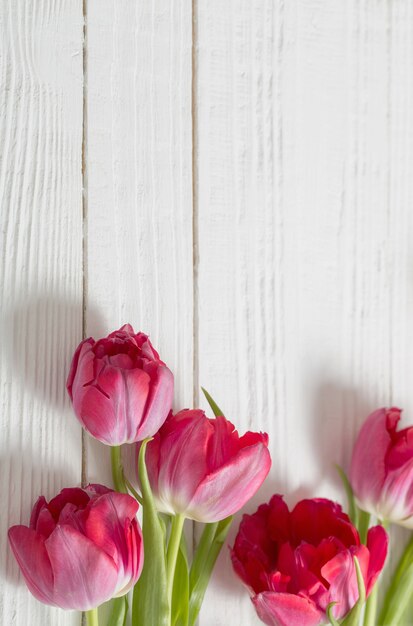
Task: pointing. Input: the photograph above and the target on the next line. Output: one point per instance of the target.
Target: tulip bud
(81, 549)
(299, 565)
(121, 391)
(382, 468)
(201, 468)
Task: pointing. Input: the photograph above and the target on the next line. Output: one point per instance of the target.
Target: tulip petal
(312, 520)
(368, 471)
(340, 572)
(225, 491)
(39, 505)
(184, 441)
(138, 389)
(286, 609)
(377, 545)
(109, 526)
(396, 501)
(105, 526)
(84, 575)
(159, 402)
(85, 347)
(31, 554)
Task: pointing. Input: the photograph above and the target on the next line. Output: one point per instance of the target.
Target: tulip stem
(172, 552)
(92, 618)
(371, 607)
(117, 469)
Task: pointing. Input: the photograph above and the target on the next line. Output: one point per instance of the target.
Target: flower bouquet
(311, 565)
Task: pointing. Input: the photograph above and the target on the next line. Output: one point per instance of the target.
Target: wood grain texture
(139, 170)
(297, 313)
(304, 161)
(40, 270)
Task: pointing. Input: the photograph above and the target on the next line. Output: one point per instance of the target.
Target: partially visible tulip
(81, 549)
(382, 468)
(296, 563)
(121, 391)
(202, 469)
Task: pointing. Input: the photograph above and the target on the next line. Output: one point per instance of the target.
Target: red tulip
(121, 391)
(81, 549)
(382, 468)
(296, 563)
(202, 468)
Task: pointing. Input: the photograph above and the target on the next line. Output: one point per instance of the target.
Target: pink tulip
(81, 549)
(121, 391)
(296, 563)
(202, 469)
(382, 468)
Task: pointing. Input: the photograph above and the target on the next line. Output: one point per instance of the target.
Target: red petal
(313, 520)
(377, 545)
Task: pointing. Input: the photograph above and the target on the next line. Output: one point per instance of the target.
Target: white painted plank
(304, 160)
(139, 199)
(41, 104)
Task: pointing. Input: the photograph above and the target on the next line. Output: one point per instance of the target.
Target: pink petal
(225, 491)
(84, 575)
(286, 609)
(181, 461)
(340, 572)
(138, 393)
(368, 461)
(223, 445)
(106, 522)
(31, 555)
(111, 525)
(158, 404)
(82, 360)
(396, 501)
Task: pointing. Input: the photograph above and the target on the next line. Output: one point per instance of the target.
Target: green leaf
(180, 593)
(215, 408)
(330, 615)
(353, 618)
(150, 599)
(400, 590)
(119, 612)
(206, 554)
(352, 507)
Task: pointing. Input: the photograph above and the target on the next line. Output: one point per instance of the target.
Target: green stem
(364, 521)
(371, 607)
(201, 553)
(400, 588)
(117, 469)
(92, 617)
(172, 552)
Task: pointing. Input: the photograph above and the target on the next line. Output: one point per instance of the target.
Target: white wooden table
(234, 177)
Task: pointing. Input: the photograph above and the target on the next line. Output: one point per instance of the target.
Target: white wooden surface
(248, 190)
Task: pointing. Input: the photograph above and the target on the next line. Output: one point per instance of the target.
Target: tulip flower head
(382, 468)
(121, 391)
(202, 469)
(81, 549)
(296, 563)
